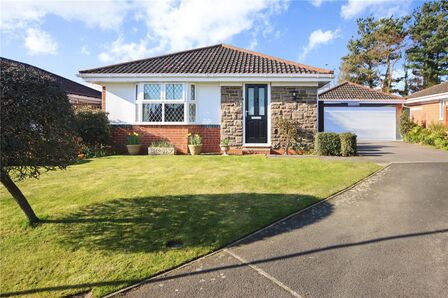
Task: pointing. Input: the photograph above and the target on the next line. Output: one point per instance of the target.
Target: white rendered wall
(208, 107)
(120, 103)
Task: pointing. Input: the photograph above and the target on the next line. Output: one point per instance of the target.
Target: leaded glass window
(193, 92)
(167, 103)
(152, 91)
(174, 91)
(174, 112)
(152, 112)
(192, 112)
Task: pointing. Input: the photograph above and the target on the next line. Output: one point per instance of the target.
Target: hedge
(327, 143)
(348, 144)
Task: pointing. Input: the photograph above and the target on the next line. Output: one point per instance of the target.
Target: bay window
(168, 103)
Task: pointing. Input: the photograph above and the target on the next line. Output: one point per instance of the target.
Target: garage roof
(349, 91)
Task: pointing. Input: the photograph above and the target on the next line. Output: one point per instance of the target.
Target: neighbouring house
(429, 105)
(78, 94)
(218, 91)
(369, 113)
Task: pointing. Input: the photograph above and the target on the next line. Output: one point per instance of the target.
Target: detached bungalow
(218, 91)
(429, 105)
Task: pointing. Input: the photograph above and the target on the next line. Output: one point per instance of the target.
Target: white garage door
(368, 123)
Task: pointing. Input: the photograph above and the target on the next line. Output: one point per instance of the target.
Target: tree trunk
(388, 77)
(18, 197)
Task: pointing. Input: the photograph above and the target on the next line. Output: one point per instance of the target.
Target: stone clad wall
(303, 110)
(232, 114)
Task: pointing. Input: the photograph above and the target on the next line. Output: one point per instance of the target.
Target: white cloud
(178, 25)
(85, 50)
(379, 8)
(106, 14)
(317, 38)
(38, 42)
(171, 25)
(316, 3)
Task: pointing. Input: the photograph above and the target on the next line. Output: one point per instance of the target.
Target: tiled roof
(351, 91)
(69, 86)
(217, 59)
(440, 88)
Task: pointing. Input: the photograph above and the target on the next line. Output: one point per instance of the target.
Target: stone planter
(133, 149)
(195, 149)
(161, 150)
(225, 149)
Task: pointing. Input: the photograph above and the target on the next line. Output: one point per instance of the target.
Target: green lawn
(107, 220)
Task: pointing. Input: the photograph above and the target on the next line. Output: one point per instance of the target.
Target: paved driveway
(389, 152)
(386, 237)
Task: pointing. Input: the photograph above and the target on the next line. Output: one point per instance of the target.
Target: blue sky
(66, 36)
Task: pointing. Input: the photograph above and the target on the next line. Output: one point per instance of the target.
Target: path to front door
(256, 114)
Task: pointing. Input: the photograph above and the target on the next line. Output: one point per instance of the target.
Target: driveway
(390, 152)
(385, 237)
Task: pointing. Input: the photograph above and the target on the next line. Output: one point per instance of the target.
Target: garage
(368, 123)
(370, 114)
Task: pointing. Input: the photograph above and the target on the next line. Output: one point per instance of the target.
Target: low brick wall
(175, 134)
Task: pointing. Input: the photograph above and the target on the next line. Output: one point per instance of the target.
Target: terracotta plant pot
(225, 149)
(133, 149)
(195, 149)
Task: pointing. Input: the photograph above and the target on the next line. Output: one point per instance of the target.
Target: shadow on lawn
(145, 224)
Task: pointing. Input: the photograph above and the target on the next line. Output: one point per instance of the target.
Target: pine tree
(389, 38)
(361, 64)
(428, 53)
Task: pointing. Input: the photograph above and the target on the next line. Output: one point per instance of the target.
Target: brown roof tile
(440, 88)
(356, 92)
(216, 59)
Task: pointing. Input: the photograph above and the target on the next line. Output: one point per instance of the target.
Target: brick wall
(175, 134)
(303, 110)
(232, 114)
(426, 114)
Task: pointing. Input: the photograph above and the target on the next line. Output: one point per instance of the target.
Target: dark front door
(256, 114)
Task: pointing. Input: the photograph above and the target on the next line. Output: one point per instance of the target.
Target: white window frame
(441, 109)
(185, 100)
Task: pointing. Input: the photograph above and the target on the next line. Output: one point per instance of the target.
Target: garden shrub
(94, 130)
(434, 135)
(406, 123)
(327, 143)
(348, 144)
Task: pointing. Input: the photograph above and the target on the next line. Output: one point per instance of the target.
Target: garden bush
(327, 143)
(93, 128)
(348, 144)
(434, 135)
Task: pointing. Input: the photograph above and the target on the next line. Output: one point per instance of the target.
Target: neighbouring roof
(69, 86)
(436, 89)
(216, 59)
(349, 91)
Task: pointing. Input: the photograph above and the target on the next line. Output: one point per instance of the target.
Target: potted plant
(133, 143)
(194, 144)
(225, 146)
